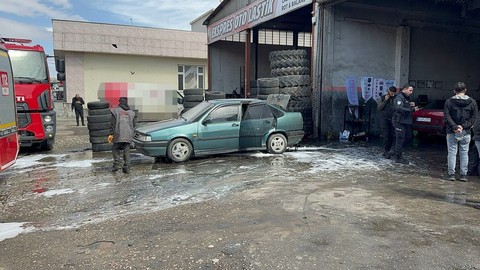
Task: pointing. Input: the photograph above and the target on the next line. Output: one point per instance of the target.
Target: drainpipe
(318, 65)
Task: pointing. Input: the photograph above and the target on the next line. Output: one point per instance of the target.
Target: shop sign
(254, 14)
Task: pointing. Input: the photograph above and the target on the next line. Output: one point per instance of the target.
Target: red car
(429, 119)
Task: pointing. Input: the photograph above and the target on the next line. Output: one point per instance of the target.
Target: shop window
(191, 77)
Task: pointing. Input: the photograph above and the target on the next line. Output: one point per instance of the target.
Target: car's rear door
(257, 121)
(219, 130)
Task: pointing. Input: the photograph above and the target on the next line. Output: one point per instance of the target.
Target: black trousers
(79, 114)
(388, 133)
(403, 134)
(117, 150)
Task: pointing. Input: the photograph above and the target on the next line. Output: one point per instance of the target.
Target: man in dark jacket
(77, 105)
(385, 107)
(121, 134)
(402, 120)
(460, 114)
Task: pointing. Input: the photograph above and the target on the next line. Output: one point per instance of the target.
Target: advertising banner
(256, 13)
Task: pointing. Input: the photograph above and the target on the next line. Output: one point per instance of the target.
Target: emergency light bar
(16, 40)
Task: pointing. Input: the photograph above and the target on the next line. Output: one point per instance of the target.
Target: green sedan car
(221, 126)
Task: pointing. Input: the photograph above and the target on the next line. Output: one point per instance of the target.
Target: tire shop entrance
(311, 50)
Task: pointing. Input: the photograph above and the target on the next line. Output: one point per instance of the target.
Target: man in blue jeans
(460, 113)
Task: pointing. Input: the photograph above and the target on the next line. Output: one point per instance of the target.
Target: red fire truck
(8, 125)
(36, 116)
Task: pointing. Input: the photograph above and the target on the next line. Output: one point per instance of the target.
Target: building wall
(100, 68)
(445, 58)
(95, 53)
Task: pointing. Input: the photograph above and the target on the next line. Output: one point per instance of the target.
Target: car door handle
(234, 125)
(266, 122)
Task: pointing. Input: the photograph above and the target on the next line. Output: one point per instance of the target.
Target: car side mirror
(180, 100)
(207, 121)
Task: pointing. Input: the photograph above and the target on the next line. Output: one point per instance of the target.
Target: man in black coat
(385, 107)
(77, 105)
(402, 120)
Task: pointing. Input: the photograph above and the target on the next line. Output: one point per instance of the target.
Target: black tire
(296, 90)
(294, 80)
(290, 71)
(267, 82)
(100, 147)
(99, 118)
(99, 133)
(289, 63)
(268, 90)
(253, 92)
(95, 105)
(214, 95)
(96, 140)
(194, 98)
(98, 126)
(193, 91)
(47, 145)
(179, 150)
(287, 54)
(99, 112)
(277, 143)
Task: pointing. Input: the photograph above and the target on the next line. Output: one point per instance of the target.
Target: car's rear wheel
(277, 143)
(179, 150)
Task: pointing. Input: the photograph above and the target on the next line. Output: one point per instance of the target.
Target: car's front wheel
(277, 143)
(179, 150)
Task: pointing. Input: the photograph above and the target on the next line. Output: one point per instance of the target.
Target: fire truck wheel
(47, 145)
(214, 95)
(95, 140)
(95, 105)
(194, 98)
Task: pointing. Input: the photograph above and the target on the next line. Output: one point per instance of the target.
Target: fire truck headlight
(49, 128)
(47, 119)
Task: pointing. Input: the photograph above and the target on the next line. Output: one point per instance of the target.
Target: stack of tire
(98, 123)
(253, 89)
(191, 98)
(209, 95)
(267, 86)
(292, 69)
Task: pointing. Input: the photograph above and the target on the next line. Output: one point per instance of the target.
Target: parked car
(221, 126)
(429, 119)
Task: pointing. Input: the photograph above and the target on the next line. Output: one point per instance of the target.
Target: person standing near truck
(77, 105)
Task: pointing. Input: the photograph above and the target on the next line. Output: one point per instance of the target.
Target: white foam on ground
(10, 230)
(50, 193)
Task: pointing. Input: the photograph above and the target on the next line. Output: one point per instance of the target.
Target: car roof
(236, 101)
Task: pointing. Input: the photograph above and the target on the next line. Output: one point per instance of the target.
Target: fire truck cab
(36, 116)
(8, 119)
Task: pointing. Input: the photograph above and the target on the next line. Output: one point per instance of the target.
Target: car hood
(161, 125)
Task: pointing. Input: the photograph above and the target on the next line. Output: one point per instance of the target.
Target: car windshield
(197, 111)
(28, 65)
(435, 105)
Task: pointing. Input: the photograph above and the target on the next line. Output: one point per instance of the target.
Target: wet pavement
(328, 206)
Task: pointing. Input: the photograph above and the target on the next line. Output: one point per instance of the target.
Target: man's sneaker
(401, 161)
(126, 170)
(114, 169)
(449, 177)
(463, 178)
